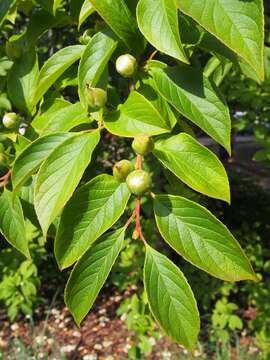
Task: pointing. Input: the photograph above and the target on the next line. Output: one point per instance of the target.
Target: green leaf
(75, 8)
(21, 143)
(60, 174)
(195, 97)
(238, 24)
(197, 235)
(22, 81)
(27, 200)
(56, 5)
(55, 66)
(12, 225)
(171, 299)
(90, 274)
(194, 164)
(41, 21)
(47, 109)
(28, 161)
(5, 6)
(65, 119)
(94, 60)
(217, 68)
(148, 89)
(118, 16)
(86, 10)
(92, 210)
(51, 5)
(158, 21)
(136, 116)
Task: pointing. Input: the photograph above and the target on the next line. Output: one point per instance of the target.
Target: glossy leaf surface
(92, 210)
(201, 238)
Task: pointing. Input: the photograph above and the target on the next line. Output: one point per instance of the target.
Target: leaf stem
(132, 217)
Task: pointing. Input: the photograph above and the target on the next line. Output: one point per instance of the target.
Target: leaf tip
(255, 277)
(60, 264)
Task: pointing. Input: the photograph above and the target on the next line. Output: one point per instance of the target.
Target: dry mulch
(102, 336)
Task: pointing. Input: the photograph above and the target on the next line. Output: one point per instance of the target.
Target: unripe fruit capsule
(122, 169)
(96, 98)
(139, 182)
(126, 65)
(10, 120)
(143, 144)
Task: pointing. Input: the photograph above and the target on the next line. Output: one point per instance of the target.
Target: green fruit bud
(139, 182)
(122, 169)
(143, 144)
(86, 37)
(126, 65)
(96, 98)
(10, 120)
(13, 50)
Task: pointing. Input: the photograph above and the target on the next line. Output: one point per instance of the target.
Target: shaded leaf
(22, 81)
(5, 6)
(238, 24)
(12, 225)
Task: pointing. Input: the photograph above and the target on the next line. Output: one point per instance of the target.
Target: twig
(132, 217)
(153, 55)
(139, 162)
(4, 179)
(138, 220)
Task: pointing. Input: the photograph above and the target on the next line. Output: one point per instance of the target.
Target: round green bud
(139, 182)
(86, 37)
(10, 120)
(143, 144)
(126, 65)
(13, 50)
(96, 98)
(122, 169)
